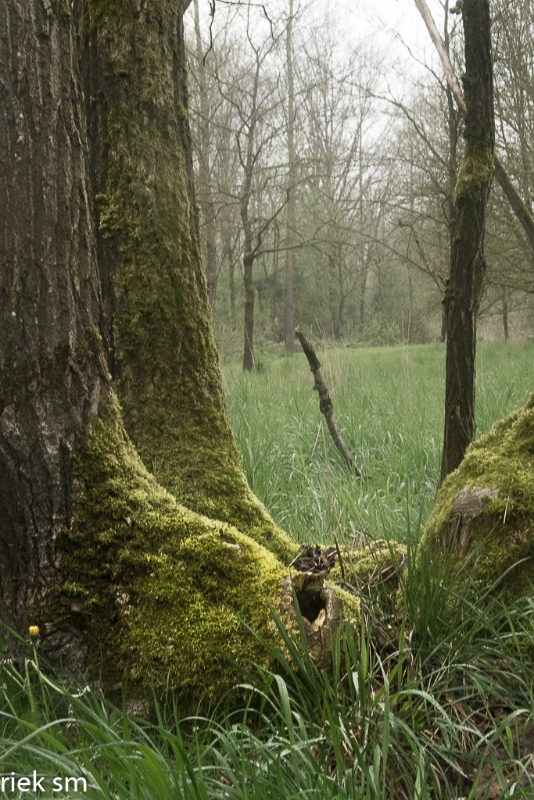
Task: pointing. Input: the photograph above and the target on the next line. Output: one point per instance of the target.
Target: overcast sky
(393, 29)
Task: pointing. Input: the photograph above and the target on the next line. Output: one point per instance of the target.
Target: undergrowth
(427, 711)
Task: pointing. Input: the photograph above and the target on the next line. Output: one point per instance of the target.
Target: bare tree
(291, 182)
(468, 266)
(204, 149)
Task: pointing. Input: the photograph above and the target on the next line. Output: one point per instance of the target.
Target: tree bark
(122, 580)
(205, 193)
(166, 362)
(248, 250)
(291, 215)
(248, 345)
(52, 370)
(466, 281)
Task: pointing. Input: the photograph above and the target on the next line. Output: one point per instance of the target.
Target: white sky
(395, 27)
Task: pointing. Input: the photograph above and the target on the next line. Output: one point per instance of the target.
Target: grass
(388, 404)
(417, 706)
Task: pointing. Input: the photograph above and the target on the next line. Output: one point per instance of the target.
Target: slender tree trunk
(340, 327)
(205, 194)
(291, 214)
(452, 125)
(274, 283)
(363, 291)
(505, 314)
(364, 249)
(410, 306)
(229, 255)
(468, 267)
(248, 251)
(248, 348)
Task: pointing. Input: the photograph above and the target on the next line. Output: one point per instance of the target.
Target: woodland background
(325, 175)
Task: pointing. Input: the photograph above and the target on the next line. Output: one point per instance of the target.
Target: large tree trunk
(121, 579)
(468, 267)
(165, 357)
(52, 370)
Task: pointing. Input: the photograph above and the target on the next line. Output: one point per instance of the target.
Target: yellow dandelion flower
(34, 631)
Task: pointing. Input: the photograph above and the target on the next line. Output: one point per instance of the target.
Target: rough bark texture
(166, 363)
(52, 372)
(120, 578)
(204, 187)
(248, 161)
(467, 272)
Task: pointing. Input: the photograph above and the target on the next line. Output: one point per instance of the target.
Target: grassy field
(415, 707)
(388, 404)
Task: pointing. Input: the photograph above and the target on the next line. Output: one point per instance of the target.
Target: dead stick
(325, 401)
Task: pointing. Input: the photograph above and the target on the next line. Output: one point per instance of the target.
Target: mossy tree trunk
(468, 267)
(165, 360)
(120, 578)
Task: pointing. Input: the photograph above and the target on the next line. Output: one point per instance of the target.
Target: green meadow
(414, 708)
(388, 404)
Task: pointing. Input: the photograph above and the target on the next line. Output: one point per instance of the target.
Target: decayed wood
(518, 206)
(325, 402)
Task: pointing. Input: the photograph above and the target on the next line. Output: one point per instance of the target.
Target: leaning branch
(518, 206)
(325, 403)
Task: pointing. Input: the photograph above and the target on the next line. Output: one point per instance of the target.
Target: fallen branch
(325, 402)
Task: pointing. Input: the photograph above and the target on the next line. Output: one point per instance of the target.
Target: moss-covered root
(485, 511)
(155, 589)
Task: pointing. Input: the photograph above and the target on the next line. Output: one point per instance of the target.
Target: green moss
(370, 564)
(475, 173)
(169, 382)
(102, 11)
(350, 605)
(501, 532)
(154, 587)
